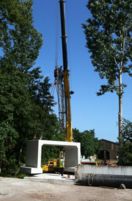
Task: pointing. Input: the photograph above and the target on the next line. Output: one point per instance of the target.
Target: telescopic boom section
(69, 135)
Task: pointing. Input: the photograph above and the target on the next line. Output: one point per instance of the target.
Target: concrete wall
(84, 170)
(111, 147)
(71, 157)
(34, 154)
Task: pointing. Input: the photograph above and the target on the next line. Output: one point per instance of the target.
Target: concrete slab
(53, 178)
(30, 170)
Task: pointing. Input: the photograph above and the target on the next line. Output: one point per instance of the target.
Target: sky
(89, 111)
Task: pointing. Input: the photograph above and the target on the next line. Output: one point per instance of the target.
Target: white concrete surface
(34, 154)
(53, 178)
(31, 170)
(83, 170)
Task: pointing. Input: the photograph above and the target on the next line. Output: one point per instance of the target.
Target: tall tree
(19, 47)
(109, 39)
(25, 99)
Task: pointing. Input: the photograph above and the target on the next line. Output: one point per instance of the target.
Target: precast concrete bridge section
(34, 154)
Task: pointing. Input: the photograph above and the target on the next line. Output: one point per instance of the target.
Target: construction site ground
(29, 189)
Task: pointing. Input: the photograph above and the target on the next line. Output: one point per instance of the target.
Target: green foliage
(109, 39)
(125, 152)
(108, 34)
(8, 140)
(127, 131)
(19, 40)
(25, 99)
(89, 144)
(50, 153)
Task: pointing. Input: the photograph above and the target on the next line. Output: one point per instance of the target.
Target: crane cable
(53, 85)
(56, 60)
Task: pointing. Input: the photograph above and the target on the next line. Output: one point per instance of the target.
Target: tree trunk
(120, 95)
(121, 87)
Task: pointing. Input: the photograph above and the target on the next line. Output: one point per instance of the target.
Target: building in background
(108, 150)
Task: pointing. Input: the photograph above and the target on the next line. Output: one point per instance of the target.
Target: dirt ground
(12, 189)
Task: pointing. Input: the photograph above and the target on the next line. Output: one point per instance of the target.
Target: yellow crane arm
(69, 134)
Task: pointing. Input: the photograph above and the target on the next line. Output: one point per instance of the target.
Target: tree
(8, 138)
(109, 39)
(19, 40)
(127, 130)
(125, 151)
(19, 47)
(25, 99)
(89, 144)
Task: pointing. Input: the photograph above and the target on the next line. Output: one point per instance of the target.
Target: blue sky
(88, 110)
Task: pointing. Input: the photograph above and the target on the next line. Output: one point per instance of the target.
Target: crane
(62, 81)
